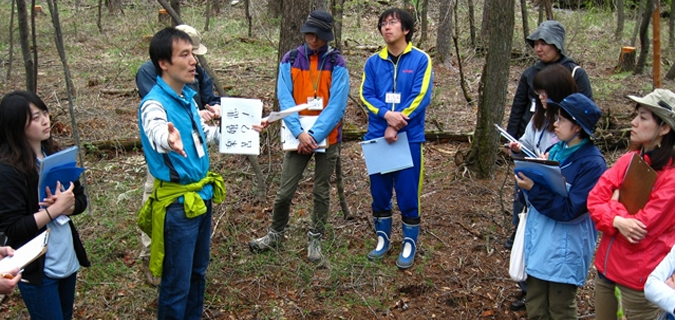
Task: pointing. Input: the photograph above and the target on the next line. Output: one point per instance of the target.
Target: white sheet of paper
(238, 115)
(277, 115)
(291, 143)
(26, 254)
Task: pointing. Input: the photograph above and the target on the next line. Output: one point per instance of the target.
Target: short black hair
(161, 45)
(406, 19)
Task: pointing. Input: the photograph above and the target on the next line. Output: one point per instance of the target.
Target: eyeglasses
(391, 22)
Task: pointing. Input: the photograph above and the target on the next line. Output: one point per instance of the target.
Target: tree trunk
(671, 26)
(24, 34)
(274, 8)
(35, 46)
(541, 13)
(425, 21)
(638, 21)
(644, 37)
(207, 14)
(215, 7)
(249, 17)
(98, 19)
(321, 5)
(175, 5)
(620, 18)
(526, 25)
(337, 7)
(11, 43)
(485, 25)
(114, 6)
(294, 15)
(444, 33)
(671, 73)
(493, 85)
(548, 6)
(58, 38)
(472, 23)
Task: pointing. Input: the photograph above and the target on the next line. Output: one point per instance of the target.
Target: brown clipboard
(637, 184)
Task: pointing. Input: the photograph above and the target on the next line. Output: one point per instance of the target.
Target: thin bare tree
(337, 7)
(620, 20)
(58, 39)
(11, 43)
(24, 34)
(492, 90)
(472, 23)
(444, 33)
(526, 24)
(644, 37)
(425, 21)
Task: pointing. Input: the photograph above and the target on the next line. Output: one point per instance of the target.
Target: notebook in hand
(637, 184)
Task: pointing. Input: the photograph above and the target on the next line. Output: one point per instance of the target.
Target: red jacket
(619, 260)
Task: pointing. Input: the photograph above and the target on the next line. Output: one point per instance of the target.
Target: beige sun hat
(661, 103)
(197, 47)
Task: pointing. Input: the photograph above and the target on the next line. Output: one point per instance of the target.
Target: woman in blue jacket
(560, 236)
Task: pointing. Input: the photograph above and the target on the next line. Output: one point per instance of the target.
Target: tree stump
(626, 59)
(163, 17)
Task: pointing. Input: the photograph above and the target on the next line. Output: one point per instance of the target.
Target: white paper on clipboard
(26, 254)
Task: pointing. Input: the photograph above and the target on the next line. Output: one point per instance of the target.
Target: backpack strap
(575, 70)
(292, 55)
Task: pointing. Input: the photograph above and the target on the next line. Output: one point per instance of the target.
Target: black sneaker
(508, 244)
(519, 304)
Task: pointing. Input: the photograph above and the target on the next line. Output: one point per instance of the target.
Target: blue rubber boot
(409, 246)
(383, 232)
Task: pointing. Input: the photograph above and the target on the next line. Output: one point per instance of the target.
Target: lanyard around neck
(315, 84)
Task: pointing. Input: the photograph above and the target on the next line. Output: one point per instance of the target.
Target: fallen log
(607, 140)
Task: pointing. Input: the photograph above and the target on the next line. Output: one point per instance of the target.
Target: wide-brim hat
(321, 23)
(582, 110)
(197, 47)
(551, 32)
(661, 103)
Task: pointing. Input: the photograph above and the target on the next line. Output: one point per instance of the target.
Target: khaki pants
(550, 300)
(293, 167)
(635, 306)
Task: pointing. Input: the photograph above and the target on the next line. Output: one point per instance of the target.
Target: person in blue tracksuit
(396, 88)
(560, 236)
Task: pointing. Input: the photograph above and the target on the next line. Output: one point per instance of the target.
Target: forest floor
(461, 270)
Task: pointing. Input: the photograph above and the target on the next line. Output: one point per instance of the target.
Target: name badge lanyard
(315, 84)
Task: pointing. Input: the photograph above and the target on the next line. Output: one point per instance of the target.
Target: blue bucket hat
(582, 110)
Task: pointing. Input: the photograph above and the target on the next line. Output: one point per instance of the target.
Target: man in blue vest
(178, 213)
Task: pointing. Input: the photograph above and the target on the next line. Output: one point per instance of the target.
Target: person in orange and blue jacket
(316, 74)
(396, 88)
(632, 245)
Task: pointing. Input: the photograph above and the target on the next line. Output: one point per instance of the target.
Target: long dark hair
(558, 83)
(15, 115)
(664, 152)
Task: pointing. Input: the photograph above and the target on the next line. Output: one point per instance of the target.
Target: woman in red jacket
(632, 245)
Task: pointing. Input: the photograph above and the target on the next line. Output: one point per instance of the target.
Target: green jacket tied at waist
(152, 214)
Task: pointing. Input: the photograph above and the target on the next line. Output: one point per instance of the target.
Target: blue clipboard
(542, 172)
(58, 167)
(382, 157)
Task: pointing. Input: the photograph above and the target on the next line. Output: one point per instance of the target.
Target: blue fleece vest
(182, 112)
